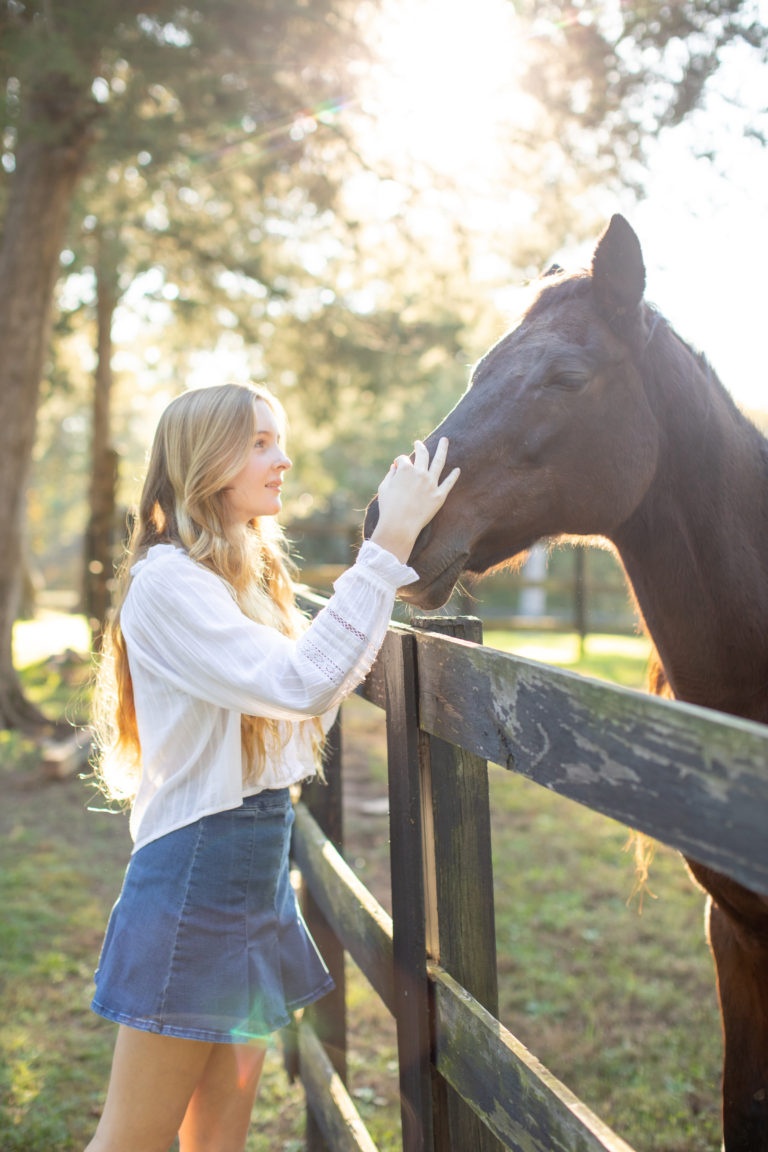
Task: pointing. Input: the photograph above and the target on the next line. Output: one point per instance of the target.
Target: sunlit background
(361, 250)
(436, 124)
(444, 98)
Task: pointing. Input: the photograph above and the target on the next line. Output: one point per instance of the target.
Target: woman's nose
(284, 463)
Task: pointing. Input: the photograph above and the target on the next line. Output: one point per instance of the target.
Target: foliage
(220, 180)
(611, 78)
(201, 125)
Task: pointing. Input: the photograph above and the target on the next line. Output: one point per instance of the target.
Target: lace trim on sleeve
(323, 662)
(347, 626)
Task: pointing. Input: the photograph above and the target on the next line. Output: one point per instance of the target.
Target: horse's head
(554, 434)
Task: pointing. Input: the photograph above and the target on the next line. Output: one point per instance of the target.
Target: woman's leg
(152, 1080)
(219, 1111)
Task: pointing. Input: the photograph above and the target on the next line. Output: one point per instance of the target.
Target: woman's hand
(410, 495)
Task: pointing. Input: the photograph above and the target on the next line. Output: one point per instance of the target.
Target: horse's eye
(568, 381)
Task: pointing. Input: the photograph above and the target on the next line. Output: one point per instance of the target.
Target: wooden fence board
(615, 750)
(409, 911)
(339, 1121)
(522, 1103)
(503, 1083)
(362, 925)
(328, 1016)
(457, 852)
(694, 779)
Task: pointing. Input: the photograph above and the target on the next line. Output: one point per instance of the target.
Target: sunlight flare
(447, 86)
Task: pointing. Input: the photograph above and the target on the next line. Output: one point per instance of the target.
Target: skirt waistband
(268, 800)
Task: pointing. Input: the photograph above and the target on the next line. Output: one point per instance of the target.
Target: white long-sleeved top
(197, 664)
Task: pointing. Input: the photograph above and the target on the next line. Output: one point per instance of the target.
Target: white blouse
(197, 663)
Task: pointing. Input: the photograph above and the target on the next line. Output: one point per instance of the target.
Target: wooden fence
(695, 780)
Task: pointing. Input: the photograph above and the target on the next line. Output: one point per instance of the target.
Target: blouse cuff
(379, 562)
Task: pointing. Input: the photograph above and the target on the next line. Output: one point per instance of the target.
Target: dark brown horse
(593, 418)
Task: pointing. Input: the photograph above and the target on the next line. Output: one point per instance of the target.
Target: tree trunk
(54, 142)
(100, 534)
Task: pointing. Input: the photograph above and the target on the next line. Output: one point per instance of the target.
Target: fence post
(411, 991)
(328, 1016)
(457, 852)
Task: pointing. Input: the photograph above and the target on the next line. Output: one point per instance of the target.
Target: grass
(620, 1005)
(617, 998)
(614, 994)
(619, 659)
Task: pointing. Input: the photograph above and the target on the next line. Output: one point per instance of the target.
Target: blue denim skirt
(206, 940)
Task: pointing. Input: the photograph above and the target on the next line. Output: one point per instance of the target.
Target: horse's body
(593, 418)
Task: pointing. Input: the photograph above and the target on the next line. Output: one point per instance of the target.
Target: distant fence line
(575, 602)
(579, 589)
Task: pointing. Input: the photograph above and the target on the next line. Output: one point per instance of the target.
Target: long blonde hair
(202, 441)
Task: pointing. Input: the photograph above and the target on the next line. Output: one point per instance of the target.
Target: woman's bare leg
(219, 1111)
(152, 1081)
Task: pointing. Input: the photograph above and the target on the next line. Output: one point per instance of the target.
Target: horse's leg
(742, 975)
(738, 934)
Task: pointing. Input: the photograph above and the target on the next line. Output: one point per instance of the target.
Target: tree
(55, 125)
(605, 80)
(102, 495)
(611, 78)
(201, 139)
(67, 70)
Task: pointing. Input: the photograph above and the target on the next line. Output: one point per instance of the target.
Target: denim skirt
(206, 940)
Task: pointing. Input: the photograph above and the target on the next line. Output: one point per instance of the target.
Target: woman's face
(255, 490)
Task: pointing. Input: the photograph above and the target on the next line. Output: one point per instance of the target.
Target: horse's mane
(668, 358)
(558, 286)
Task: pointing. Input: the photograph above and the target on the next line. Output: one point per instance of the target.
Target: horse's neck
(696, 554)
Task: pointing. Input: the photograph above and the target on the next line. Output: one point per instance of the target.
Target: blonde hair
(202, 441)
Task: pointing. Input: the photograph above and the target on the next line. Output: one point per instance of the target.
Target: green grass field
(619, 659)
(618, 1002)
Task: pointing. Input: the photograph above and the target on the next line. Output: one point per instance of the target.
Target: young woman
(210, 706)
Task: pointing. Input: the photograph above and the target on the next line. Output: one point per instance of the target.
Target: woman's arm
(181, 622)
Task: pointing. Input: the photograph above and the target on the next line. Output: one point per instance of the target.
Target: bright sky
(447, 68)
(706, 241)
(704, 229)
(702, 226)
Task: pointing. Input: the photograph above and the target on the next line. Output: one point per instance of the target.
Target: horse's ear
(618, 271)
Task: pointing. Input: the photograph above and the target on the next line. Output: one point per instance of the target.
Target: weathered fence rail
(690, 778)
